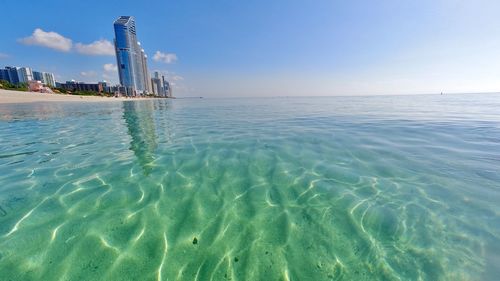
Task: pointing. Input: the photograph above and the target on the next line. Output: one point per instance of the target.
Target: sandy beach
(7, 97)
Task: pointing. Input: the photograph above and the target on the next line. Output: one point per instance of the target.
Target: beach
(8, 97)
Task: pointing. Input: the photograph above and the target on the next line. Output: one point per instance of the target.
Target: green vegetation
(16, 87)
(60, 90)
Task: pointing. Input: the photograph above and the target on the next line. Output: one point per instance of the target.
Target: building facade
(4, 75)
(160, 86)
(16, 75)
(146, 77)
(38, 76)
(49, 79)
(46, 78)
(25, 74)
(157, 82)
(130, 57)
(157, 86)
(168, 89)
(12, 74)
(81, 86)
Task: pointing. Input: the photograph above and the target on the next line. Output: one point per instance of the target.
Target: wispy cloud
(164, 57)
(101, 47)
(110, 72)
(3, 56)
(109, 67)
(50, 39)
(88, 73)
(175, 77)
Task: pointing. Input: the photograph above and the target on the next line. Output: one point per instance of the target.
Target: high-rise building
(146, 77)
(4, 75)
(12, 74)
(130, 57)
(16, 75)
(25, 74)
(161, 87)
(157, 86)
(168, 89)
(45, 77)
(49, 79)
(38, 76)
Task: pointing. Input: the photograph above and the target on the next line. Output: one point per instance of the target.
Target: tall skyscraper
(130, 57)
(157, 83)
(160, 86)
(147, 81)
(168, 89)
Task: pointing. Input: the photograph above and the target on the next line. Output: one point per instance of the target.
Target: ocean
(290, 188)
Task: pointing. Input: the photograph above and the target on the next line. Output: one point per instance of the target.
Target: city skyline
(16, 75)
(132, 66)
(279, 48)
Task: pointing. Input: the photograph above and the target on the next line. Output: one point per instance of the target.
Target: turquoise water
(341, 188)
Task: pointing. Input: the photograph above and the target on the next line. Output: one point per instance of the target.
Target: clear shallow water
(344, 188)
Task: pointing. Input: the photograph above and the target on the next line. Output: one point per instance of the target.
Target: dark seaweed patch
(3, 213)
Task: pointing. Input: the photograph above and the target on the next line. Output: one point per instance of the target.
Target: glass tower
(130, 57)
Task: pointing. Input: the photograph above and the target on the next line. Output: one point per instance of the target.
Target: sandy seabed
(7, 97)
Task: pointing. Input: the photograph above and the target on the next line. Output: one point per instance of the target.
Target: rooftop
(124, 19)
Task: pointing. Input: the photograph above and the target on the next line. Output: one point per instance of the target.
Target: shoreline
(13, 97)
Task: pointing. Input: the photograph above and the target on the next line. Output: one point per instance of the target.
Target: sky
(268, 48)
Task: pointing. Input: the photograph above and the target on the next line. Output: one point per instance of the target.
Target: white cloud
(109, 67)
(3, 56)
(98, 48)
(88, 73)
(110, 72)
(164, 57)
(175, 77)
(58, 42)
(52, 40)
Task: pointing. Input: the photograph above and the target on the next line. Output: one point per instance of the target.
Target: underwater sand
(341, 188)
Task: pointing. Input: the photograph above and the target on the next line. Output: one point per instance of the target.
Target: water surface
(341, 188)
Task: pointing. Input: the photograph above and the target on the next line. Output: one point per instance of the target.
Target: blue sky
(269, 48)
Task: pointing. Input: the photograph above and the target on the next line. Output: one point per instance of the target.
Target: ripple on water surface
(250, 190)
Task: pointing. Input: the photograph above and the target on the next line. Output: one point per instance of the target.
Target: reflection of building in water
(165, 120)
(138, 116)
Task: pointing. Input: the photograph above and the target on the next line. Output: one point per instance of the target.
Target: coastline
(12, 97)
